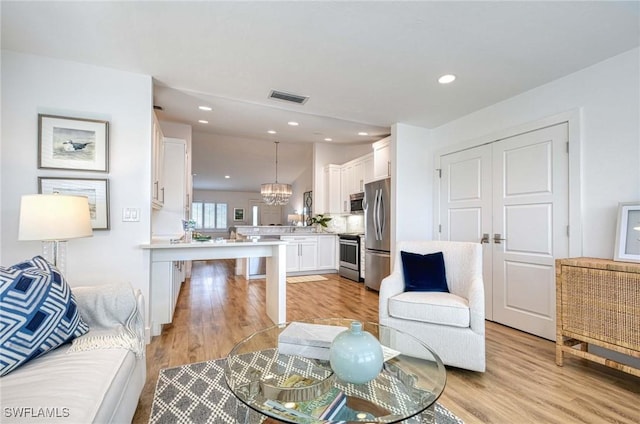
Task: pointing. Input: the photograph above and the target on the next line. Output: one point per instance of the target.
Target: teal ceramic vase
(356, 355)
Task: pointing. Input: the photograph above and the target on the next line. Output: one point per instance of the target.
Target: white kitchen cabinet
(357, 181)
(341, 181)
(346, 177)
(169, 279)
(353, 179)
(157, 165)
(167, 221)
(327, 252)
(332, 189)
(382, 159)
(368, 169)
(302, 253)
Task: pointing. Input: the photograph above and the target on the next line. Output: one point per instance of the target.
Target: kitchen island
(163, 293)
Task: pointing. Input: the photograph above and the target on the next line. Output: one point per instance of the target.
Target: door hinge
(568, 230)
(439, 172)
(440, 228)
(567, 147)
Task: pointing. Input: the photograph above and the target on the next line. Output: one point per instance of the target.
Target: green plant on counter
(321, 220)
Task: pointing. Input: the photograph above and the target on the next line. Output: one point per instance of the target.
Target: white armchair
(452, 324)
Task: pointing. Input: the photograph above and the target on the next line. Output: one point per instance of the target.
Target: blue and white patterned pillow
(38, 312)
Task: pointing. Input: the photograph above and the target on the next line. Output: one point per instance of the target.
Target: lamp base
(55, 252)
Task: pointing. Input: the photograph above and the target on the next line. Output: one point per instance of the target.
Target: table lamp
(294, 218)
(54, 219)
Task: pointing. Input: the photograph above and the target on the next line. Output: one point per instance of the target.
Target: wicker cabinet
(598, 303)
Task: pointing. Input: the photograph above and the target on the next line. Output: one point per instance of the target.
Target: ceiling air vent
(288, 97)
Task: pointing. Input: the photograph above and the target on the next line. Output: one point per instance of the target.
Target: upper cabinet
(382, 159)
(332, 201)
(157, 165)
(354, 175)
(167, 221)
(341, 181)
(368, 169)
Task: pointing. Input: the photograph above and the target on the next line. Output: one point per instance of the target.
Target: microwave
(355, 201)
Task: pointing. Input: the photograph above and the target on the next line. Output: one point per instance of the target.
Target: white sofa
(100, 385)
(452, 324)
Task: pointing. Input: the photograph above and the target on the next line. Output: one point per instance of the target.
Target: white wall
(411, 211)
(33, 85)
(608, 95)
(301, 185)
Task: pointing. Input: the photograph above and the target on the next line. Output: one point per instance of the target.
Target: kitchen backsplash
(346, 224)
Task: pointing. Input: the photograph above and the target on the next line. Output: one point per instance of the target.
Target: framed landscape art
(96, 191)
(238, 214)
(73, 143)
(627, 246)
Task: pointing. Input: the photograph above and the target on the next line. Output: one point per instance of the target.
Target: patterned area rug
(306, 279)
(197, 393)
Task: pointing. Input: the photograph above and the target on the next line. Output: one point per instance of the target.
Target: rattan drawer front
(602, 305)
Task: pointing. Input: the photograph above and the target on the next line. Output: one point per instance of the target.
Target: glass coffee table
(300, 387)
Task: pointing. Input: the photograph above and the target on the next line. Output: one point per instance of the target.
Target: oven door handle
(349, 242)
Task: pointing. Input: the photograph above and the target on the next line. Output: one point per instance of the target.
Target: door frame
(573, 119)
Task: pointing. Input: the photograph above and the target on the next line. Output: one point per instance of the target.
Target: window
(209, 216)
(254, 216)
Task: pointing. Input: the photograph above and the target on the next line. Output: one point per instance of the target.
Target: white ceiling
(364, 65)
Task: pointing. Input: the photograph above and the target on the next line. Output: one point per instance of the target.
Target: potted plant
(320, 221)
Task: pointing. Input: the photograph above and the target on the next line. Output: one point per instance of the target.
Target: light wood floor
(522, 383)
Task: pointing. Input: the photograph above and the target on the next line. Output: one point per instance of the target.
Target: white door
(525, 212)
(465, 206)
(530, 215)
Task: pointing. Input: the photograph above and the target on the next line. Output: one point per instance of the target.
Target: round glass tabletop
(283, 372)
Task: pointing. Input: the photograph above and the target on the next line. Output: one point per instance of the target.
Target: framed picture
(96, 190)
(628, 233)
(238, 214)
(73, 143)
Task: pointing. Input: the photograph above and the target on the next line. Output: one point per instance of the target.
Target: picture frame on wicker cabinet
(627, 247)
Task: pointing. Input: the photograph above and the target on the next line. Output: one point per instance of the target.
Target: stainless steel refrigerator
(377, 207)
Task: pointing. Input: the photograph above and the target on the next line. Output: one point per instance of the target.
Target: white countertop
(210, 243)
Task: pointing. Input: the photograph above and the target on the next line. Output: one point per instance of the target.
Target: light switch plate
(131, 214)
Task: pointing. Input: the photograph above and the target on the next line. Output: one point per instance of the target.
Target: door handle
(485, 238)
(497, 239)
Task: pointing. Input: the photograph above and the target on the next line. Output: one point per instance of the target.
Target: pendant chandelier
(275, 193)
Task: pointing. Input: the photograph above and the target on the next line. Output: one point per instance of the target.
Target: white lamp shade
(54, 217)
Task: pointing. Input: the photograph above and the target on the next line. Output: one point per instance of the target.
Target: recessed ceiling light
(328, 139)
(207, 108)
(293, 123)
(363, 133)
(446, 79)
(202, 121)
(271, 132)
(227, 176)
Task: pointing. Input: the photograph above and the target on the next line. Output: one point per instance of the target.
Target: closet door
(512, 196)
(465, 206)
(530, 219)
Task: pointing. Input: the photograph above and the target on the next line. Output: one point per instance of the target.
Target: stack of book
(325, 407)
(308, 340)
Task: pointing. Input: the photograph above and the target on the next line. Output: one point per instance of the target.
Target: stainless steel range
(349, 256)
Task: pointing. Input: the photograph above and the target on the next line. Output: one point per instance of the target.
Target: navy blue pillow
(424, 272)
(39, 312)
